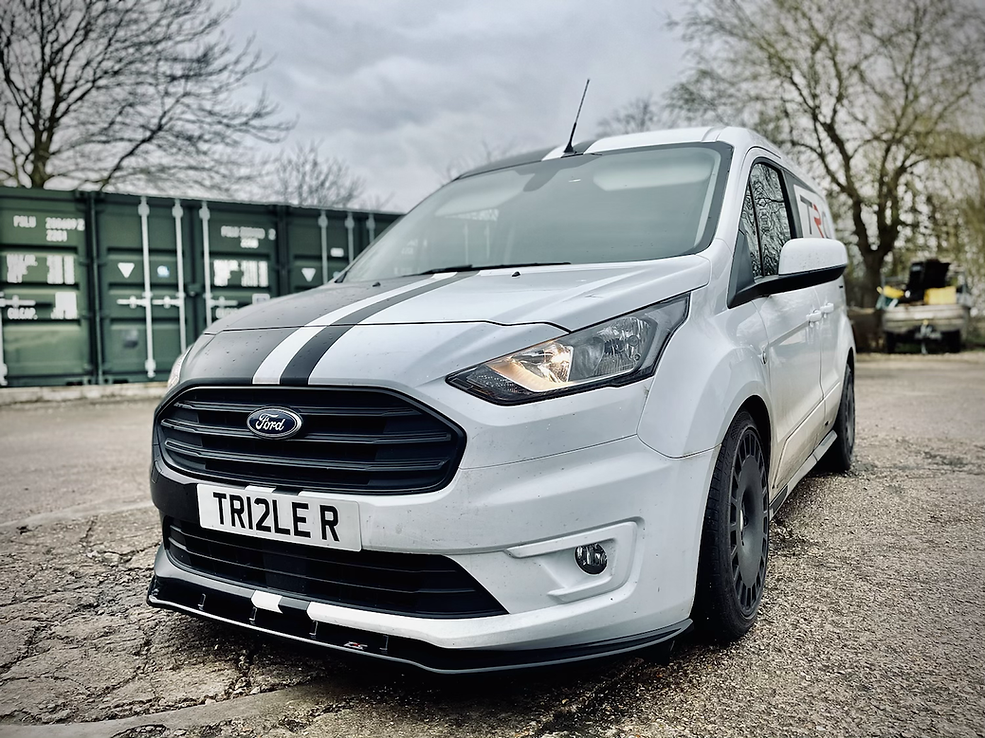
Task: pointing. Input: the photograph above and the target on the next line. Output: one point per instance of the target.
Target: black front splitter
(177, 589)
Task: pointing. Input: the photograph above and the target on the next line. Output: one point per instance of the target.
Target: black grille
(423, 585)
(351, 440)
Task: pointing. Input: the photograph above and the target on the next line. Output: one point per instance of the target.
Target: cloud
(400, 89)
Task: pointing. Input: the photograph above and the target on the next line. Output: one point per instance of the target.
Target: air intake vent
(422, 585)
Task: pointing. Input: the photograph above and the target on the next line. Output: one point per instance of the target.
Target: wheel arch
(756, 407)
(718, 606)
(708, 371)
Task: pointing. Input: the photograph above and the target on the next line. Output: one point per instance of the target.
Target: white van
(546, 417)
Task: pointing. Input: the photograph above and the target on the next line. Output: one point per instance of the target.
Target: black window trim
(741, 278)
(755, 218)
(784, 186)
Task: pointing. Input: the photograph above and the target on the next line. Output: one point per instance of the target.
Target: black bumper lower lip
(213, 599)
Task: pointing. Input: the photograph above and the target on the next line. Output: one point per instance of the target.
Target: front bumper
(182, 591)
(513, 527)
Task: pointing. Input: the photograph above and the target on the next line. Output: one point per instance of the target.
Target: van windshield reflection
(631, 205)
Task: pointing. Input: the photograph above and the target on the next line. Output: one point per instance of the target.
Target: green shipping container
(99, 287)
(44, 289)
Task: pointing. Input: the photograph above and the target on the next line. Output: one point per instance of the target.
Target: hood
(426, 326)
(570, 297)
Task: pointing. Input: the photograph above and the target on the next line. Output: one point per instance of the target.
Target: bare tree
(954, 227)
(301, 176)
(638, 115)
(104, 93)
(375, 201)
(872, 96)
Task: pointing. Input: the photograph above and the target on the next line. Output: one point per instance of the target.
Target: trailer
(933, 306)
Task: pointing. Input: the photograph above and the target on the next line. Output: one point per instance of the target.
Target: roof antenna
(569, 149)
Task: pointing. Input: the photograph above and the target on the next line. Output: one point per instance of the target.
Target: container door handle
(827, 308)
(814, 317)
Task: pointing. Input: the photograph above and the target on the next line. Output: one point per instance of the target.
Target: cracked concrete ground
(873, 623)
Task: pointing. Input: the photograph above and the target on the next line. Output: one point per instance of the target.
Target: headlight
(616, 352)
(175, 374)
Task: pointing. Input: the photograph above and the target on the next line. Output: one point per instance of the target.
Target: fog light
(591, 558)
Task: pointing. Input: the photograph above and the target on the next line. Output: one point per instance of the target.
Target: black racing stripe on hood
(294, 311)
(234, 356)
(300, 367)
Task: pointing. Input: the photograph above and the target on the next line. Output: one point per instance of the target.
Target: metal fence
(103, 288)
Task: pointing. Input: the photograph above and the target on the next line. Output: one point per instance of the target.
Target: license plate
(307, 519)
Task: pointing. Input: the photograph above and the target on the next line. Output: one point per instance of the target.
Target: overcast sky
(400, 89)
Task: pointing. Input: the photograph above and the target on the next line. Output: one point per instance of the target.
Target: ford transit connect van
(547, 416)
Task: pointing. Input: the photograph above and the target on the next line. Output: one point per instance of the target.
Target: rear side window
(772, 216)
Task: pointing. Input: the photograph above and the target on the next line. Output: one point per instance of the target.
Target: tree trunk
(871, 277)
(39, 170)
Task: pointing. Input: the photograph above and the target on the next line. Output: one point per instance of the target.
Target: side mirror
(804, 262)
(812, 255)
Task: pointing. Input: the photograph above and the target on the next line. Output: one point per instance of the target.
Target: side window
(747, 222)
(772, 215)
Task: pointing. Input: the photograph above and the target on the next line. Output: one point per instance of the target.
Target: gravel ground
(873, 622)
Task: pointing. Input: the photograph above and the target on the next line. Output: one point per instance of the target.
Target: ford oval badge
(274, 422)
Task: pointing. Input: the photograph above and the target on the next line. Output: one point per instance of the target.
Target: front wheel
(735, 538)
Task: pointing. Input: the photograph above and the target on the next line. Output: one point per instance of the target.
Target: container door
(143, 260)
(44, 328)
(318, 246)
(236, 266)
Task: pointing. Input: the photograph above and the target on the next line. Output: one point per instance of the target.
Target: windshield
(630, 205)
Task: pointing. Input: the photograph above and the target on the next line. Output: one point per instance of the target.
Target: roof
(741, 139)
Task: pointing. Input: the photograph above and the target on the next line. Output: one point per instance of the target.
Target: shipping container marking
(61, 269)
(249, 236)
(253, 273)
(19, 308)
(56, 229)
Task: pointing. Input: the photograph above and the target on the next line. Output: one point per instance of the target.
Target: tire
(952, 341)
(890, 341)
(839, 456)
(735, 537)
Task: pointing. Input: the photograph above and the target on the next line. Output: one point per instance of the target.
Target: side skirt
(802, 472)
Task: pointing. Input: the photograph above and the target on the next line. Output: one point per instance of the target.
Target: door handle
(827, 308)
(814, 317)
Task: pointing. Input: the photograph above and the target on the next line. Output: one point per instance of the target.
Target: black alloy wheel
(748, 525)
(735, 539)
(839, 456)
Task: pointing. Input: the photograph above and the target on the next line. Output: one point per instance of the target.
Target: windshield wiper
(476, 268)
